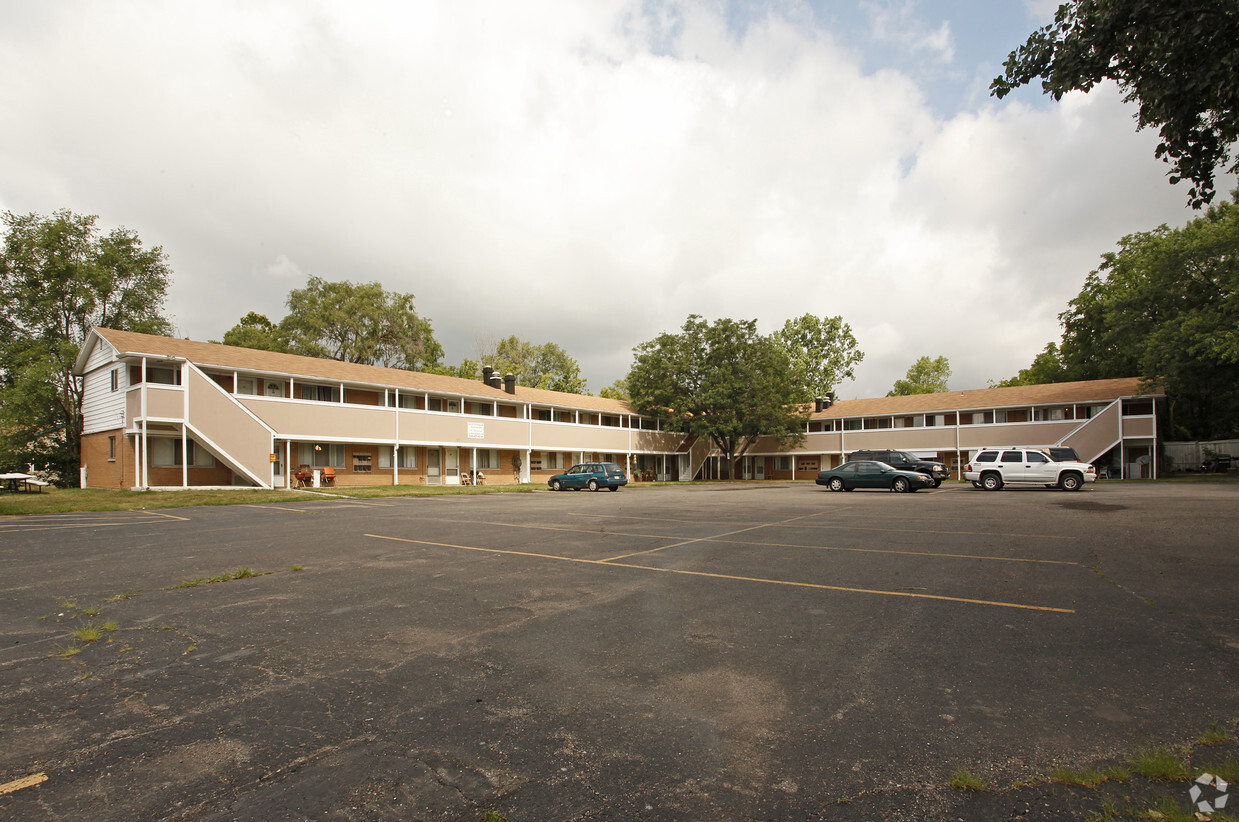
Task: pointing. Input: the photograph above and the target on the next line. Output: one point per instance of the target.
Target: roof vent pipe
(495, 381)
(818, 403)
(829, 401)
(509, 383)
(486, 372)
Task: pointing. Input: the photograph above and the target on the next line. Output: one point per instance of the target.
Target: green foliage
(59, 276)
(925, 376)
(723, 381)
(617, 390)
(1179, 59)
(1160, 765)
(545, 366)
(822, 350)
(255, 331)
(1165, 307)
(360, 323)
(1046, 367)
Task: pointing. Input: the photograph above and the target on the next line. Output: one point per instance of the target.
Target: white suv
(993, 468)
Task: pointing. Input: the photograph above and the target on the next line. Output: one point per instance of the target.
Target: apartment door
(760, 467)
(451, 466)
(433, 475)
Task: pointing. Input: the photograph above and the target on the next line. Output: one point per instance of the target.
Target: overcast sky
(588, 172)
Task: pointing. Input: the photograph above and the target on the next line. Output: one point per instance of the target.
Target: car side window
(987, 456)
(1012, 456)
(1037, 456)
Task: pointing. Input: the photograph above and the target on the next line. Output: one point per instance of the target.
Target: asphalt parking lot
(747, 651)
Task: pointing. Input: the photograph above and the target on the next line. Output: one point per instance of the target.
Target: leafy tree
(1165, 307)
(1046, 367)
(59, 276)
(822, 351)
(545, 366)
(467, 370)
(925, 376)
(255, 331)
(1178, 58)
(617, 390)
(361, 323)
(723, 381)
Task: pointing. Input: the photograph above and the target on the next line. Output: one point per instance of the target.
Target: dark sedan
(591, 475)
(872, 474)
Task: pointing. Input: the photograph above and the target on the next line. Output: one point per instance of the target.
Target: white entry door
(433, 476)
(451, 466)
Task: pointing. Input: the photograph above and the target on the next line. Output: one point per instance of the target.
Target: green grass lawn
(60, 500)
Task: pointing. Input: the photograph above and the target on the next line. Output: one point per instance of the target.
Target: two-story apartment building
(165, 412)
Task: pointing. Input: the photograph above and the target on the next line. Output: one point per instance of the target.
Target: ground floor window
(406, 457)
(320, 455)
(782, 463)
(552, 460)
(167, 453)
(487, 459)
(111, 448)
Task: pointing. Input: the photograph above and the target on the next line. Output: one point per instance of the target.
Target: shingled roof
(230, 357)
(1020, 396)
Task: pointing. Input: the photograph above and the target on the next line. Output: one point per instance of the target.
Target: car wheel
(836, 484)
(593, 485)
(991, 482)
(555, 486)
(1070, 482)
(900, 485)
(976, 484)
(613, 488)
(937, 483)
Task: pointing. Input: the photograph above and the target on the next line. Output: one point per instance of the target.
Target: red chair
(329, 476)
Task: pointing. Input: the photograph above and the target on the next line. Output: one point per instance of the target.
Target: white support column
(146, 460)
(184, 427)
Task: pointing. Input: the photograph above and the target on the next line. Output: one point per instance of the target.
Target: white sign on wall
(477, 430)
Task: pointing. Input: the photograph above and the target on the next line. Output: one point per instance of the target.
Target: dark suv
(906, 462)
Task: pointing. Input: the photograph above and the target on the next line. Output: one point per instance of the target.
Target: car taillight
(968, 467)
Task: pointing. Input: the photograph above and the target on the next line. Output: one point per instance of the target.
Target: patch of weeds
(189, 650)
(1228, 770)
(69, 604)
(68, 651)
(1215, 734)
(1108, 812)
(91, 611)
(126, 649)
(1160, 765)
(493, 816)
(965, 780)
(126, 595)
(1089, 777)
(1168, 810)
(240, 573)
(93, 631)
(296, 567)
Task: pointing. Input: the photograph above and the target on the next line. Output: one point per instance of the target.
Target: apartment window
(159, 376)
(320, 455)
(247, 385)
(544, 414)
(487, 459)
(782, 463)
(115, 379)
(852, 425)
(272, 389)
(168, 453)
(112, 443)
(405, 457)
(320, 393)
(1137, 408)
(483, 409)
(1052, 414)
(553, 460)
(403, 401)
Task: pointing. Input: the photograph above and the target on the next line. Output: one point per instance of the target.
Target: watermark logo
(1208, 793)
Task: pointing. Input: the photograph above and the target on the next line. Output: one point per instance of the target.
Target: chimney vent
(818, 403)
(486, 372)
(829, 401)
(509, 383)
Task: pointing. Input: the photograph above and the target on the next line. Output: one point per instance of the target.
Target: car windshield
(905, 456)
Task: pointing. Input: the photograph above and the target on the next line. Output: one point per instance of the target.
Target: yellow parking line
(707, 539)
(901, 553)
(24, 782)
(926, 531)
(761, 580)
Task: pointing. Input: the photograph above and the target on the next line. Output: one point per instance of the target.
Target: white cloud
(583, 173)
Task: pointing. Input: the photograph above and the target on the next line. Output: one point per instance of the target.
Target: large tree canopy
(925, 376)
(723, 381)
(822, 351)
(59, 276)
(256, 331)
(1165, 307)
(1179, 59)
(537, 366)
(358, 322)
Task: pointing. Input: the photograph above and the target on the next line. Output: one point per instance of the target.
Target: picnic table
(16, 481)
